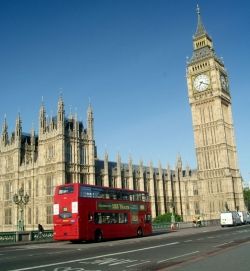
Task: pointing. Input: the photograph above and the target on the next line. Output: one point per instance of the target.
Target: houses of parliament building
(64, 151)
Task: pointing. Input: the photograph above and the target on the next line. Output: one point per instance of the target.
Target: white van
(248, 218)
(243, 217)
(230, 218)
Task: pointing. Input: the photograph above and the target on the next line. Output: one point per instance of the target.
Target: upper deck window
(66, 190)
(109, 193)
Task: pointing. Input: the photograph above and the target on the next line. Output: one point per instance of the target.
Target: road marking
(187, 241)
(123, 261)
(183, 255)
(138, 264)
(96, 257)
(108, 261)
(224, 244)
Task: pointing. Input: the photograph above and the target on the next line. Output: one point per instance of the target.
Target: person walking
(40, 231)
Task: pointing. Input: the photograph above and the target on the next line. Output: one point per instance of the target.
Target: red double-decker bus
(87, 212)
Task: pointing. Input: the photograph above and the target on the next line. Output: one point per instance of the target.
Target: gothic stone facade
(64, 152)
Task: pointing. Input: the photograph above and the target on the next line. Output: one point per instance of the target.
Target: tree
(166, 218)
(246, 195)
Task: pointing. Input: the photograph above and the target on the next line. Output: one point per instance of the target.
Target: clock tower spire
(210, 102)
(200, 30)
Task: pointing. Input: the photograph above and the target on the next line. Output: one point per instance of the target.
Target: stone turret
(90, 126)
(42, 120)
(130, 175)
(106, 170)
(152, 189)
(60, 113)
(5, 136)
(119, 177)
(18, 130)
(91, 144)
(141, 179)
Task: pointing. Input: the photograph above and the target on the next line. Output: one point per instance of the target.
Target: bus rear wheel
(139, 232)
(98, 236)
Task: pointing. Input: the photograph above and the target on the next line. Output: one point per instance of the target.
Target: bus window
(138, 197)
(111, 218)
(98, 218)
(148, 218)
(125, 195)
(146, 197)
(85, 192)
(122, 218)
(134, 218)
(65, 190)
(112, 194)
(118, 195)
(97, 193)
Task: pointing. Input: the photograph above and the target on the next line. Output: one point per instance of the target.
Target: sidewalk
(194, 230)
(169, 232)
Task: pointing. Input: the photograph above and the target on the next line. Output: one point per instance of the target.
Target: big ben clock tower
(219, 179)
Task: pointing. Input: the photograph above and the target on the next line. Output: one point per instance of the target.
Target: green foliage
(166, 218)
(246, 194)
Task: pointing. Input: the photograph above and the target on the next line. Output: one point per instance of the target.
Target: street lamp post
(21, 200)
(172, 216)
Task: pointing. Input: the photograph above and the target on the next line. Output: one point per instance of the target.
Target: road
(188, 249)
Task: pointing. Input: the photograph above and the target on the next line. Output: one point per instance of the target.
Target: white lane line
(138, 264)
(183, 255)
(224, 244)
(96, 257)
(108, 261)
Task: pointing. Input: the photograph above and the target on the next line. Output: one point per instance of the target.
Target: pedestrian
(40, 230)
(199, 221)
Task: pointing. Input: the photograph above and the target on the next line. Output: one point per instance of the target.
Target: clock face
(223, 81)
(201, 82)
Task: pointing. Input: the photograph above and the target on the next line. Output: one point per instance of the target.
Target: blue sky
(129, 58)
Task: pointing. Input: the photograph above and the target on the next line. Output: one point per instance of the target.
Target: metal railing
(7, 237)
(12, 237)
(183, 225)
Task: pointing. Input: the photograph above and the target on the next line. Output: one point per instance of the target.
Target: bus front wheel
(98, 236)
(139, 232)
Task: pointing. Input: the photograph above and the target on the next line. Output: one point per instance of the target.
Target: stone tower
(211, 108)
